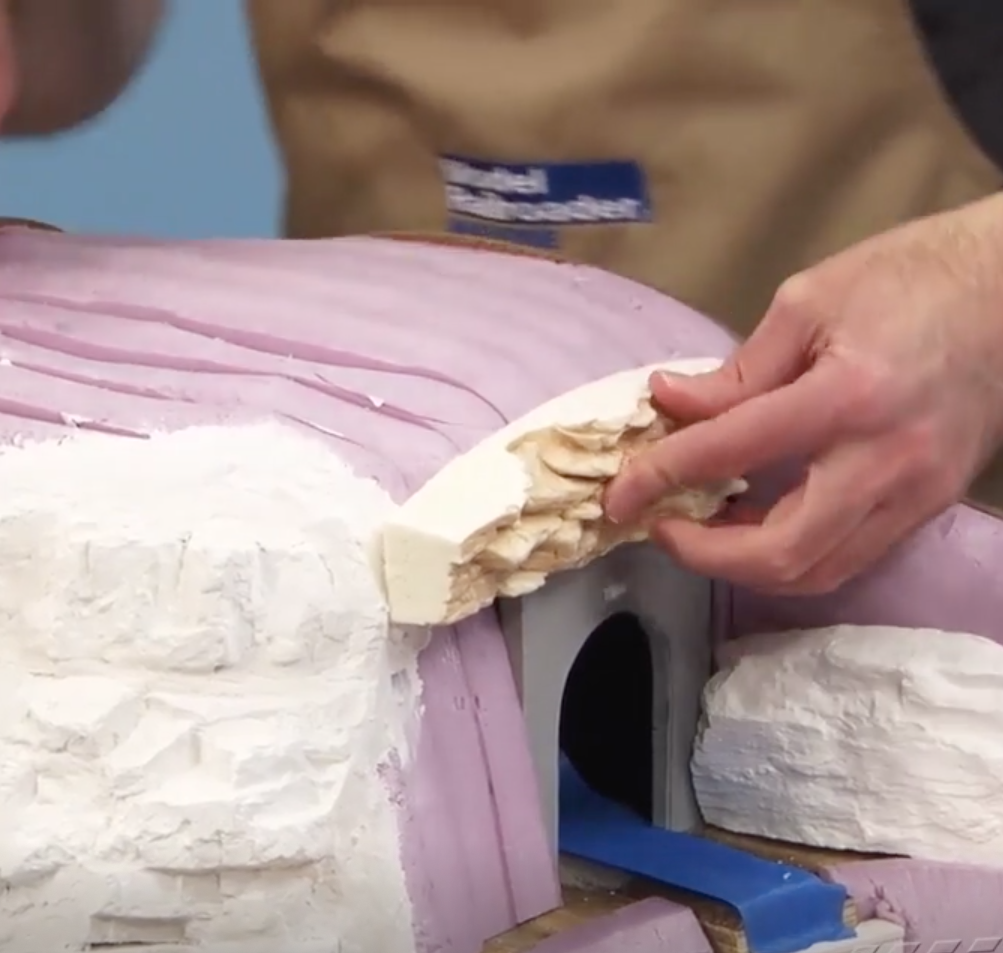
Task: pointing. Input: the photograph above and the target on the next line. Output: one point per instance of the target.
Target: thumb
(777, 353)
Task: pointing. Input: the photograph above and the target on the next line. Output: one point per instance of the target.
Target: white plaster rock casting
(197, 691)
(873, 739)
(526, 501)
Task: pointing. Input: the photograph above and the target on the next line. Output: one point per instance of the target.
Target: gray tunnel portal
(547, 630)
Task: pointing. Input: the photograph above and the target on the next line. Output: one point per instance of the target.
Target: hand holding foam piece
(526, 502)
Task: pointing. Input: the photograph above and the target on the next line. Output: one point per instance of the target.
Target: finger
(801, 530)
(751, 554)
(776, 353)
(739, 513)
(794, 421)
(874, 539)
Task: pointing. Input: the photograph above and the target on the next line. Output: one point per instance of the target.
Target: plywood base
(580, 906)
(721, 925)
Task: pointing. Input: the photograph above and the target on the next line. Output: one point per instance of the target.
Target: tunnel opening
(606, 727)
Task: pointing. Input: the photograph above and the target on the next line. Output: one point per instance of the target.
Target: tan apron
(709, 148)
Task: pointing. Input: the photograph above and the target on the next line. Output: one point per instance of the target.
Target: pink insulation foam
(402, 355)
(954, 908)
(945, 577)
(650, 926)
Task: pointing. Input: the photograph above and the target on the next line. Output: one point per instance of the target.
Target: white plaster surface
(874, 739)
(199, 692)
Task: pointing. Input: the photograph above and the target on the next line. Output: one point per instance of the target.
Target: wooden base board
(721, 925)
(580, 907)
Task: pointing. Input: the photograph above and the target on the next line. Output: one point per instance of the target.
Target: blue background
(186, 152)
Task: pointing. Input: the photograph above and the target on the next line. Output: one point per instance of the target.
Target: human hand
(882, 367)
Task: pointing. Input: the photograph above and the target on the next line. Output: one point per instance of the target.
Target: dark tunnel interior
(606, 714)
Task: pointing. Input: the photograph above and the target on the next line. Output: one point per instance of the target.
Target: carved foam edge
(526, 501)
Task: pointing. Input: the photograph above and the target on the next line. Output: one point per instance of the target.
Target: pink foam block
(945, 577)
(954, 908)
(401, 355)
(650, 926)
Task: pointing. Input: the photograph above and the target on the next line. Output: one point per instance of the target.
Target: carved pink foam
(402, 355)
(131, 337)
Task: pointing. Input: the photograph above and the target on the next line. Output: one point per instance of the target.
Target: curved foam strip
(526, 501)
(783, 909)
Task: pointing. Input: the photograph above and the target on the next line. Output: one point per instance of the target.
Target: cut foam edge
(430, 542)
(870, 936)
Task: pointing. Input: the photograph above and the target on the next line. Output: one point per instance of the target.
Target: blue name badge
(527, 202)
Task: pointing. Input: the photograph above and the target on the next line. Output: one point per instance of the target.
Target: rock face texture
(527, 502)
(192, 734)
(865, 738)
(393, 358)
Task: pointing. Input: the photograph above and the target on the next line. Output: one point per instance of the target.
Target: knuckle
(922, 449)
(872, 392)
(659, 472)
(639, 485)
(933, 472)
(784, 567)
(733, 370)
(799, 296)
